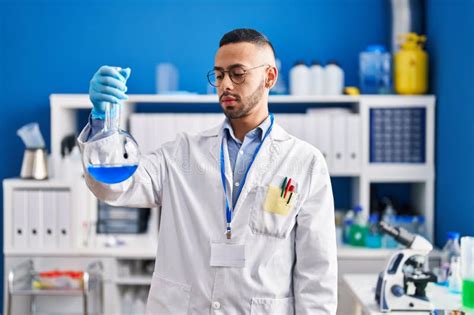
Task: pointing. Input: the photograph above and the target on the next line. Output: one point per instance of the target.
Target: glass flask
(112, 155)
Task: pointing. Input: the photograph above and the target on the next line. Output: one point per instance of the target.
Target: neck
(242, 126)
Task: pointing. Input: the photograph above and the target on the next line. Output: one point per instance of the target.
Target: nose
(226, 83)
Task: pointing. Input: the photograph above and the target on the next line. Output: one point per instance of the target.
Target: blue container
(375, 71)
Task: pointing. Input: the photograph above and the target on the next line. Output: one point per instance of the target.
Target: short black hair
(246, 35)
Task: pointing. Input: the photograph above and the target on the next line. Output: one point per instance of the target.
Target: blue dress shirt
(241, 153)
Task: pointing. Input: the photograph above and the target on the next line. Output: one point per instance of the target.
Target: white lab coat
(290, 260)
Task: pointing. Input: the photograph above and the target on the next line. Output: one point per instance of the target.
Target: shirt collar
(260, 130)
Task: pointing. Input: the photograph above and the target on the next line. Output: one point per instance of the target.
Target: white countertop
(362, 287)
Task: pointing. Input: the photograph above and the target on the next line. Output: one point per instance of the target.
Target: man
(247, 215)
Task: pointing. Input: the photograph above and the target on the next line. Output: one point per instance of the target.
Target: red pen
(287, 187)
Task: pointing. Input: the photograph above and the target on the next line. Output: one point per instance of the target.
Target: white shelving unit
(64, 110)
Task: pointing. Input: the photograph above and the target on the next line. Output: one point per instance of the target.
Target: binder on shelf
(64, 218)
(318, 133)
(353, 136)
(339, 149)
(20, 216)
(35, 216)
(50, 235)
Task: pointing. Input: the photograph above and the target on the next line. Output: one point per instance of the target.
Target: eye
(219, 75)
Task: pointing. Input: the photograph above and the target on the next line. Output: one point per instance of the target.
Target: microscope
(402, 285)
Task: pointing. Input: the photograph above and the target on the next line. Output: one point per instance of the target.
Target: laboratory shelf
(391, 172)
(68, 292)
(134, 280)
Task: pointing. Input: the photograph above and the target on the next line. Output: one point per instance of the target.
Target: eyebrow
(230, 67)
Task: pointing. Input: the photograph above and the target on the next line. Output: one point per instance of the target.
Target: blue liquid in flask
(112, 174)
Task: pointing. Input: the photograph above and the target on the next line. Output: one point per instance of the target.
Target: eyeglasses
(237, 75)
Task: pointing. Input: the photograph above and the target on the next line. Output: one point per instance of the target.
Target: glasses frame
(230, 76)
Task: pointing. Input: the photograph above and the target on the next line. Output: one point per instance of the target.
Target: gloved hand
(108, 85)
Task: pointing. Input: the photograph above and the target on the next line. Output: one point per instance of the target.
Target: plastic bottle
(375, 70)
(299, 79)
(451, 249)
(421, 226)
(127, 302)
(359, 228)
(411, 65)
(317, 78)
(373, 238)
(390, 218)
(333, 79)
(346, 227)
(280, 85)
(454, 279)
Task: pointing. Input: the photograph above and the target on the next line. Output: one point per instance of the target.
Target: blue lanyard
(228, 212)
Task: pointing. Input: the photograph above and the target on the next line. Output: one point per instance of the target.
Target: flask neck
(112, 117)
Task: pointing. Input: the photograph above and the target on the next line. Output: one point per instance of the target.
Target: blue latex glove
(108, 85)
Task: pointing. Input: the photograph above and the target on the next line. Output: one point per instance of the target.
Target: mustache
(236, 97)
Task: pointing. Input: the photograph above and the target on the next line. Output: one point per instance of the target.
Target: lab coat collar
(278, 133)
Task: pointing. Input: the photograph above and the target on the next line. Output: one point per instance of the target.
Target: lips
(228, 100)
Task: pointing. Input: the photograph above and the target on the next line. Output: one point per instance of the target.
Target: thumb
(125, 73)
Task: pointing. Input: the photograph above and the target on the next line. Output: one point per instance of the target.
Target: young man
(247, 215)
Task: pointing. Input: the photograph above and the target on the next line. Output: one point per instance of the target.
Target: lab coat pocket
(272, 215)
(167, 297)
(265, 306)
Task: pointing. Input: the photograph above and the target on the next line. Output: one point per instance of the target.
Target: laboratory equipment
(375, 70)
(467, 271)
(107, 85)
(31, 136)
(167, 78)
(389, 217)
(373, 238)
(34, 164)
(346, 227)
(23, 276)
(317, 78)
(35, 159)
(454, 278)
(333, 79)
(112, 155)
(299, 79)
(358, 230)
(280, 85)
(401, 286)
(411, 65)
(450, 250)
(122, 220)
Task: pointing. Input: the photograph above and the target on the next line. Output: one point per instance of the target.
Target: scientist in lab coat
(247, 214)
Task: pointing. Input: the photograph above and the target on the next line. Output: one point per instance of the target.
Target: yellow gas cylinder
(411, 65)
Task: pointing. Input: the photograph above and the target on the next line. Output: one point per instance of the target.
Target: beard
(247, 103)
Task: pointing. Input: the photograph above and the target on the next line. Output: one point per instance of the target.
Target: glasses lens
(237, 75)
(211, 76)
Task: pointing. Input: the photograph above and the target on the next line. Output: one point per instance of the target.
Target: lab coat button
(241, 152)
(216, 305)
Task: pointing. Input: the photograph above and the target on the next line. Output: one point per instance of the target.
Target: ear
(272, 76)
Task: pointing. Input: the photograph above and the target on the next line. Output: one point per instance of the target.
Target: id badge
(227, 255)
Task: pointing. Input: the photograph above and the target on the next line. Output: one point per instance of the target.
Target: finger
(110, 82)
(106, 90)
(100, 98)
(110, 72)
(126, 73)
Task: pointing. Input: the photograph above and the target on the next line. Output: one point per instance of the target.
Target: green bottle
(358, 230)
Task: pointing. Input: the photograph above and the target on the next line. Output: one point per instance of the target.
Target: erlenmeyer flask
(112, 155)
